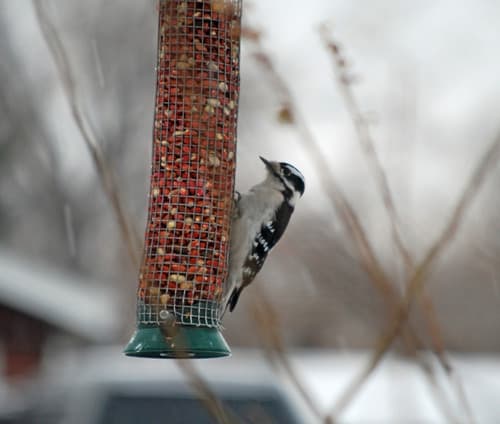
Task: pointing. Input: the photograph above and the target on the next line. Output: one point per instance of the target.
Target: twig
(369, 261)
(368, 146)
(205, 394)
(442, 401)
(418, 279)
(364, 136)
(268, 324)
(106, 177)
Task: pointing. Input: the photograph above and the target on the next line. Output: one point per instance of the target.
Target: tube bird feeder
(185, 258)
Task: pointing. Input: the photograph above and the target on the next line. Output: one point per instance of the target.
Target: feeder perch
(186, 249)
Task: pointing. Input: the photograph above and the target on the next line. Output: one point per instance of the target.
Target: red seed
(178, 268)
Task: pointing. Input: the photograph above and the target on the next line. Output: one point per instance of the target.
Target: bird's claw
(236, 200)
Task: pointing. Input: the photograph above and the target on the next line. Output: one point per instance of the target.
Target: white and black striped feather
(269, 234)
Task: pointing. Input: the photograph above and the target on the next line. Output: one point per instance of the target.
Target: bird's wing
(269, 234)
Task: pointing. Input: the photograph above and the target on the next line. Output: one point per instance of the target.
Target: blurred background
(425, 78)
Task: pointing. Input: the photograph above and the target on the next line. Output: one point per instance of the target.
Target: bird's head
(288, 178)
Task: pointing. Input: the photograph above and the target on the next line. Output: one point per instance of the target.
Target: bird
(259, 220)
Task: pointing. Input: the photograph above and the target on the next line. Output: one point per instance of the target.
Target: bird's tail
(233, 299)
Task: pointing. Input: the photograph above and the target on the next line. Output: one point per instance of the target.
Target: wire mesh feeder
(192, 181)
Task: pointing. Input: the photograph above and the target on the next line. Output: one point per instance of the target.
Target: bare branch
(441, 399)
(368, 146)
(368, 259)
(205, 394)
(268, 325)
(290, 114)
(419, 277)
(106, 177)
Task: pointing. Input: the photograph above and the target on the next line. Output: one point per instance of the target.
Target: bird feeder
(185, 259)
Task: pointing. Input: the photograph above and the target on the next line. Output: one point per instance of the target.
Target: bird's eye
(286, 172)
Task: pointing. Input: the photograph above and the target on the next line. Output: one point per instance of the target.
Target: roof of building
(62, 299)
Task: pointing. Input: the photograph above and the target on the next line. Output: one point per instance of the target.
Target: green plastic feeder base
(187, 342)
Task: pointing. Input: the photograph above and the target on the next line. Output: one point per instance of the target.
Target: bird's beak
(272, 167)
(267, 163)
